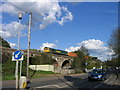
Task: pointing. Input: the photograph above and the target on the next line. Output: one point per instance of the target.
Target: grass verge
(33, 74)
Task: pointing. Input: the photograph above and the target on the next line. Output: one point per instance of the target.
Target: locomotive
(61, 52)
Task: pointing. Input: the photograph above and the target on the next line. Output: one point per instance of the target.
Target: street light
(16, 75)
(20, 17)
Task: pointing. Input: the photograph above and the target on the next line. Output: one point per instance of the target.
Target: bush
(41, 60)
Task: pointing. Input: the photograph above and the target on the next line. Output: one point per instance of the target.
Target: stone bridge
(62, 64)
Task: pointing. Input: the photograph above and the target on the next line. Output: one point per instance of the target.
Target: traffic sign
(17, 55)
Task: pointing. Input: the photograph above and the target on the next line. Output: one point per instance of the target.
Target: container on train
(72, 54)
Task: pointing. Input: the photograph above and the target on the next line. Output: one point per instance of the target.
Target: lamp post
(28, 52)
(20, 17)
(17, 62)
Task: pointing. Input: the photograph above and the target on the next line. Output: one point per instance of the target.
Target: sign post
(17, 56)
(16, 74)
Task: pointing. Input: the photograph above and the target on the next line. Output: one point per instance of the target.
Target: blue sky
(85, 23)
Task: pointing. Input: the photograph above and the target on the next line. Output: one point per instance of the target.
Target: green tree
(84, 50)
(4, 43)
(76, 65)
(41, 60)
(79, 62)
(114, 43)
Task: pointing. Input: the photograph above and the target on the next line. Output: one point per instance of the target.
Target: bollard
(23, 82)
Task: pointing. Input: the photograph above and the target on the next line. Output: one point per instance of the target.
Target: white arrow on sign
(13, 58)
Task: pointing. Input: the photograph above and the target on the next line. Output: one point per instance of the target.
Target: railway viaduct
(62, 63)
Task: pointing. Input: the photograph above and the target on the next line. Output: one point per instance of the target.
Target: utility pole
(28, 52)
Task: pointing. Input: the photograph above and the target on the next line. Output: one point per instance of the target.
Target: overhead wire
(23, 11)
(49, 37)
(34, 18)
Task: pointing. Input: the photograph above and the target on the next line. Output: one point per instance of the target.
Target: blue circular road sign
(17, 54)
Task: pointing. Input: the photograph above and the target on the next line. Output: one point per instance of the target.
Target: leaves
(41, 60)
(114, 43)
(4, 43)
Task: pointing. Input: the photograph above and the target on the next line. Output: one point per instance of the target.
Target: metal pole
(19, 44)
(19, 36)
(20, 68)
(28, 52)
(17, 74)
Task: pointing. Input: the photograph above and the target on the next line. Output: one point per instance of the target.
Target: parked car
(97, 74)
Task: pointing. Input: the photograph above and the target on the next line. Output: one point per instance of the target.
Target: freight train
(61, 52)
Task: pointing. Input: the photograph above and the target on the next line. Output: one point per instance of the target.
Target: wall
(42, 67)
(67, 71)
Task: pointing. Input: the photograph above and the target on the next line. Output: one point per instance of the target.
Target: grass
(8, 77)
(43, 72)
(35, 74)
(38, 76)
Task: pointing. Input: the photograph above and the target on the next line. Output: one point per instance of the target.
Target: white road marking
(108, 79)
(54, 85)
(97, 86)
(48, 86)
(64, 86)
(101, 84)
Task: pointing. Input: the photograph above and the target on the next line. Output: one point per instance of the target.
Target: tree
(80, 60)
(43, 59)
(114, 43)
(4, 43)
(84, 50)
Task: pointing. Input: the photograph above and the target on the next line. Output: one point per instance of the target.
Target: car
(97, 74)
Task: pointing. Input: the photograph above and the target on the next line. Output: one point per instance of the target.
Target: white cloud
(50, 45)
(96, 48)
(92, 44)
(46, 12)
(72, 49)
(11, 29)
(12, 45)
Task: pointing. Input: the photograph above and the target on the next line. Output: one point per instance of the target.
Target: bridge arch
(66, 64)
(55, 63)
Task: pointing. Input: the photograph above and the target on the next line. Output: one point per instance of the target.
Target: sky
(61, 25)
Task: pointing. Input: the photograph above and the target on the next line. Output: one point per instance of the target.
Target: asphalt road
(73, 82)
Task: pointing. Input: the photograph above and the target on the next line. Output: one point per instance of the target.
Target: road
(73, 82)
